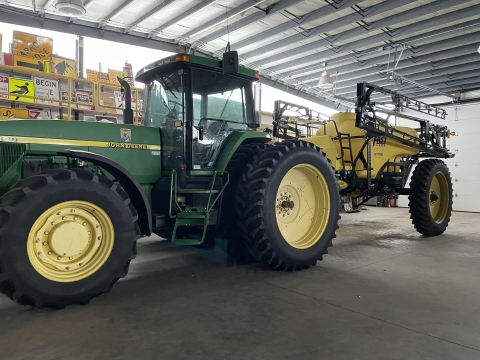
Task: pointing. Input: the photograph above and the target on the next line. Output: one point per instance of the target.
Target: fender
(126, 180)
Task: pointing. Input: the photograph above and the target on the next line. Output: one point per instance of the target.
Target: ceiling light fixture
(71, 8)
(325, 82)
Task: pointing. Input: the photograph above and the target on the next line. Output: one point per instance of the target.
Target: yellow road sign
(92, 75)
(32, 46)
(63, 66)
(21, 87)
(8, 113)
(32, 64)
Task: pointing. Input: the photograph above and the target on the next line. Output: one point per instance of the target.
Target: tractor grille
(10, 154)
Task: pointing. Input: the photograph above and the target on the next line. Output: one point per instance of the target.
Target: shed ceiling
(288, 41)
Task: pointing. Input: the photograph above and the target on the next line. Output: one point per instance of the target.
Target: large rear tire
(66, 236)
(288, 206)
(430, 198)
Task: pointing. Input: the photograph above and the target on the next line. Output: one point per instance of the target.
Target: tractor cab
(196, 106)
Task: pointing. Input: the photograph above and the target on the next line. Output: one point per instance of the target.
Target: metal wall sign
(46, 88)
(32, 46)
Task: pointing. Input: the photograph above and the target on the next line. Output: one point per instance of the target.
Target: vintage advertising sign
(3, 87)
(21, 87)
(32, 46)
(32, 64)
(103, 77)
(63, 66)
(46, 88)
(92, 75)
(128, 70)
(112, 74)
(7, 113)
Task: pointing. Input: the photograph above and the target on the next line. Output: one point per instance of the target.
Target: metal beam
(272, 10)
(368, 41)
(148, 15)
(301, 94)
(449, 89)
(424, 78)
(406, 63)
(218, 20)
(181, 17)
(83, 28)
(297, 22)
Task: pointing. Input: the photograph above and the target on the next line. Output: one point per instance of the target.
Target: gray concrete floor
(383, 292)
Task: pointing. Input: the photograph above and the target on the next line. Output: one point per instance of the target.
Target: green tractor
(76, 196)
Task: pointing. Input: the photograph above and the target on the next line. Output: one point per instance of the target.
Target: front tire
(288, 206)
(66, 236)
(430, 198)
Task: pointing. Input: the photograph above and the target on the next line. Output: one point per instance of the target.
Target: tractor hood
(50, 136)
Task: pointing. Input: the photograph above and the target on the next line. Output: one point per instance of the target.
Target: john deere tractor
(76, 196)
(374, 157)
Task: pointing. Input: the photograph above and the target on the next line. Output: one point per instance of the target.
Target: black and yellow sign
(112, 75)
(63, 66)
(21, 87)
(32, 46)
(32, 64)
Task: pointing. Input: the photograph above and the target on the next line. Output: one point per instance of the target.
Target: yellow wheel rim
(70, 241)
(439, 197)
(302, 206)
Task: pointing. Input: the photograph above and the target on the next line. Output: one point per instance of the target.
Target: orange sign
(7, 114)
(32, 46)
(92, 75)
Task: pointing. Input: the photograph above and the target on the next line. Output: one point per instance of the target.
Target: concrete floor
(383, 292)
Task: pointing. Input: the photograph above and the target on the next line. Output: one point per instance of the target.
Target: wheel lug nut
(99, 238)
(72, 210)
(54, 223)
(45, 243)
(70, 257)
(58, 213)
(89, 232)
(59, 258)
(39, 253)
(49, 253)
(84, 224)
(97, 226)
(80, 264)
(81, 252)
(46, 232)
(64, 218)
(37, 241)
(68, 268)
(75, 218)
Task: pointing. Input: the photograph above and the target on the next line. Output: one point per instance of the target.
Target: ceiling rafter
(148, 15)
(116, 12)
(272, 10)
(181, 17)
(218, 20)
(370, 40)
(297, 22)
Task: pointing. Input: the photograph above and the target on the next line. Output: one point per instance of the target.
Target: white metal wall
(465, 166)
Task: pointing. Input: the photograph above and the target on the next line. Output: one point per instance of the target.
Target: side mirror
(256, 121)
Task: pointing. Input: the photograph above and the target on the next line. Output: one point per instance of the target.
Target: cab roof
(146, 73)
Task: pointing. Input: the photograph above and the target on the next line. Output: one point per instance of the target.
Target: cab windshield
(164, 100)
